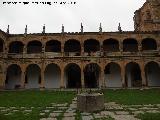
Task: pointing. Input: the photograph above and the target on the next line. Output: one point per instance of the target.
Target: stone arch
(33, 76)
(34, 47)
(152, 72)
(52, 76)
(111, 45)
(1, 45)
(72, 75)
(13, 77)
(149, 44)
(53, 46)
(112, 75)
(72, 46)
(91, 75)
(133, 75)
(91, 46)
(130, 45)
(16, 47)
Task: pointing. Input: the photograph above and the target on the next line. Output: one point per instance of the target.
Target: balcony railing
(93, 54)
(15, 55)
(73, 54)
(150, 52)
(53, 54)
(105, 53)
(131, 53)
(33, 55)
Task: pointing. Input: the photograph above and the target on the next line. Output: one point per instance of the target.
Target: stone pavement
(68, 111)
(112, 110)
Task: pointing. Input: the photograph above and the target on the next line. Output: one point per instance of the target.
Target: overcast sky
(89, 12)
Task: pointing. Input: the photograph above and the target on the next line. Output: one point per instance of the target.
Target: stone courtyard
(68, 111)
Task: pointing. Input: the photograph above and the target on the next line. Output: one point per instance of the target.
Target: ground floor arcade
(72, 75)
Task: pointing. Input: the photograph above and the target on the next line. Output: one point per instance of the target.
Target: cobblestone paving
(68, 111)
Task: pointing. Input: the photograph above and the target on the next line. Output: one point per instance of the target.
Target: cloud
(90, 12)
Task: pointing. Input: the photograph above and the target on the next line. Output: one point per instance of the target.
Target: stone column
(6, 50)
(121, 46)
(123, 76)
(82, 76)
(62, 48)
(102, 81)
(42, 77)
(3, 76)
(23, 77)
(144, 82)
(139, 46)
(2, 80)
(101, 48)
(25, 49)
(62, 77)
(82, 49)
(43, 50)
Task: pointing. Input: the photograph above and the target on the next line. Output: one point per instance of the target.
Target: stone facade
(84, 59)
(147, 18)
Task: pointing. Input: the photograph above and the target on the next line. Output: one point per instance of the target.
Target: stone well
(90, 102)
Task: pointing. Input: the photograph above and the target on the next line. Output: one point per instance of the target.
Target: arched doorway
(53, 46)
(113, 75)
(13, 77)
(130, 45)
(149, 44)
(52, 76)
(72, 76)
(91, 75)
(133, 75)
(111, 45)
(16, 47)
(33, 76)
(91, 47)
(72, 48)
(152, 71)
(34, 47)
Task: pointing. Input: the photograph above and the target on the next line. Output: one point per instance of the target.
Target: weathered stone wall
(147, 18)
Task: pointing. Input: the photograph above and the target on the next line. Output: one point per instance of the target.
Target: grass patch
(39, 100)
(132, 96)
(34, 98)
(31, 98)
(149, 116)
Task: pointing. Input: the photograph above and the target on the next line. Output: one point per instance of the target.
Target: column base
(62, 87)
(2, 87)
(42, 88)
(124, 85)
